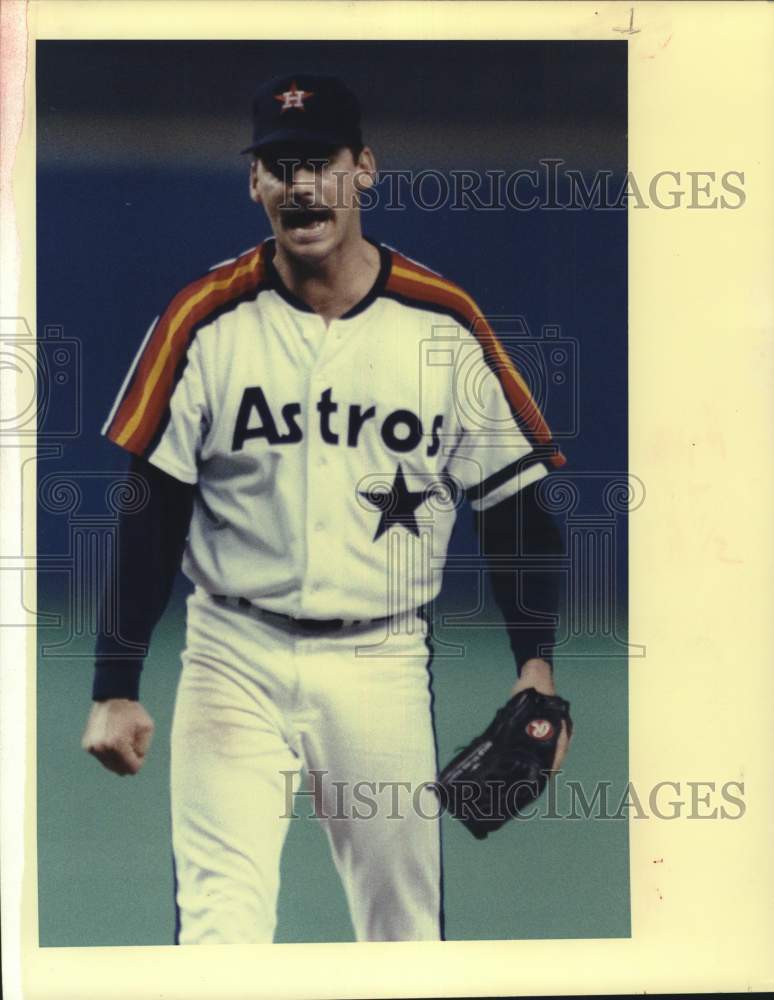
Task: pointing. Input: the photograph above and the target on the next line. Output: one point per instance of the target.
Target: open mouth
(310, 220)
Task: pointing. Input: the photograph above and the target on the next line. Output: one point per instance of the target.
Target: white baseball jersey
(329, 461)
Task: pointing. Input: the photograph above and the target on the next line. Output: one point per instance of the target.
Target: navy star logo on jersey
(397, 505)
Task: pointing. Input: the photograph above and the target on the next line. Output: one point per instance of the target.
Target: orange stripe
(150, 354)
(140, 411)
(415, 282)
(159, 400)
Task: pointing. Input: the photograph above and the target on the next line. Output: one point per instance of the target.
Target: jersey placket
(317, 513)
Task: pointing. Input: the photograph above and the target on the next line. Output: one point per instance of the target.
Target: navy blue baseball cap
(305, 107)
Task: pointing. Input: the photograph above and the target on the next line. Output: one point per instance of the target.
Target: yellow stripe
(177, 321)
(445, 286)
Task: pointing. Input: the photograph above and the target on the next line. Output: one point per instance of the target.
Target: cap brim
(298, 136)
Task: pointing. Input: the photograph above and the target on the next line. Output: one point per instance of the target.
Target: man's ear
(255, 194)
(365, 176)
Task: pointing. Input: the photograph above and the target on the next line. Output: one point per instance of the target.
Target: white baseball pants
(258, 702)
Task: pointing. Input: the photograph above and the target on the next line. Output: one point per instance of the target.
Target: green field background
(104, 857)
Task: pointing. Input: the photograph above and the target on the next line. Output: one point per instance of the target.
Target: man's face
(310, 195)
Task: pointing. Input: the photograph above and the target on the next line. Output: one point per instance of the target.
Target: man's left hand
(537, 674)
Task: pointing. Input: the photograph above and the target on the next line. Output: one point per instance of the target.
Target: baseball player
(301, 422)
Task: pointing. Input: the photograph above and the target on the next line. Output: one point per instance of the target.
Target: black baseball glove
(506, 768)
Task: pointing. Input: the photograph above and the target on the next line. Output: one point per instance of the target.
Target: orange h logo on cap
(293, 98)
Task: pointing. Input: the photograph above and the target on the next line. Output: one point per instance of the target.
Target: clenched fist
(118, 733)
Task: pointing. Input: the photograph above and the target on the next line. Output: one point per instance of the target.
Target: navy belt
(311, 625)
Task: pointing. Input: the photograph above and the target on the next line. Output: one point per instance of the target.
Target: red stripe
(165, 386)
(453, 298)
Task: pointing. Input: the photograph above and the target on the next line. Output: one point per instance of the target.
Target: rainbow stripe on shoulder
(413, 284)
(158, 367)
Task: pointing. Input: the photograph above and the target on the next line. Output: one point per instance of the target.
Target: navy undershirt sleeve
(150, 547)
(520, 526)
